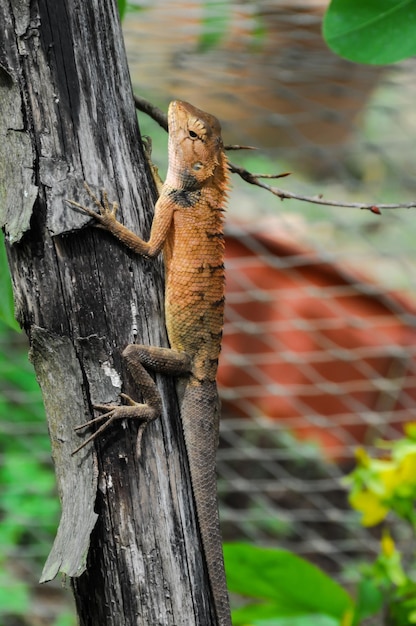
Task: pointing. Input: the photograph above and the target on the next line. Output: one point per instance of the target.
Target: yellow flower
(370, 506)
(388, 547)
(410, 430)
(407, 469)
(390, 478)
(362, 457)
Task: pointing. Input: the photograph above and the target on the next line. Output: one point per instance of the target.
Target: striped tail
(200, 417)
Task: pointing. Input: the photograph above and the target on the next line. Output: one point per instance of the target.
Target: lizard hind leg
(139, 358)
(162, 360)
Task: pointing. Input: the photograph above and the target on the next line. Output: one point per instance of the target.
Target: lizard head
(196, 151)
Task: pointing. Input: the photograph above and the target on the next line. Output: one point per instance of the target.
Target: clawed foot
(106, 211)
(117, 412)
(147, 146)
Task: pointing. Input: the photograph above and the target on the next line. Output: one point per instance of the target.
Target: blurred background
(320, 335)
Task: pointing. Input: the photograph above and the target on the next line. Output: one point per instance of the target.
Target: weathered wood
(60, 377)
(67, 114)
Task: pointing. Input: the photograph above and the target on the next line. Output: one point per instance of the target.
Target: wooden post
(128, 536)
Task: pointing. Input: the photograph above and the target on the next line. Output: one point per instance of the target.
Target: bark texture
(128, 535)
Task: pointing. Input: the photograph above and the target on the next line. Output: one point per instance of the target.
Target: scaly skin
(188, 226)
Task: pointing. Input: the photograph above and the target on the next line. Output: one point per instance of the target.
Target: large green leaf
(299, 620)
(291, 584)
(271, 615)
(371, 31)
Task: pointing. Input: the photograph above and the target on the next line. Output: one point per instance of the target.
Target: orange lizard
(188, 227)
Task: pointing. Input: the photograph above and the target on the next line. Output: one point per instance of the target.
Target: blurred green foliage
(383, 487)
(29, 505)
(379, 486)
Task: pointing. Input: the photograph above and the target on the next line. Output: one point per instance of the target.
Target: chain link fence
(320, 334)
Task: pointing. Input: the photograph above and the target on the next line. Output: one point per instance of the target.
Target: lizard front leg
(106, 219)
(140, 358)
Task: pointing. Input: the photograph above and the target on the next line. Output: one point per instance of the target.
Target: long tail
(200, 417)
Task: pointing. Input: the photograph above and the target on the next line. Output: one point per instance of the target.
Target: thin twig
(236, 146)
(152, 111)
(254, 179)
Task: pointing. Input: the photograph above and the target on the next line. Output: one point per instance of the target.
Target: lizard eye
(197, 166)
(197, 129)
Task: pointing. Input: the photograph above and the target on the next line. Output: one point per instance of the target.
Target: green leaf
(271, 615)
(376, 32)
(285, 580)
(300, 620)
(369, 600)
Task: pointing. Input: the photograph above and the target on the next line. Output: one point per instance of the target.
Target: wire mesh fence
(320, 334)
(316, 361)
(319, 340)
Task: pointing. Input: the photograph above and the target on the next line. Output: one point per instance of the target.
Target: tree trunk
(128, 535)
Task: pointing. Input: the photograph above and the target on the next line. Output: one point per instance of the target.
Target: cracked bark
(127, 536)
